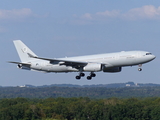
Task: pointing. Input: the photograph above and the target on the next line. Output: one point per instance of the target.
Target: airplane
(109, 62)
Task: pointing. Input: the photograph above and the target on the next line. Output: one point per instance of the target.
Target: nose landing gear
(140, 69)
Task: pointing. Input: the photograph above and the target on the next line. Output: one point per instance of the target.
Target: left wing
(76, 64)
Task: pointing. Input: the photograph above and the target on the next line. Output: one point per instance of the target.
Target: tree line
(68, 92)
(82, 108)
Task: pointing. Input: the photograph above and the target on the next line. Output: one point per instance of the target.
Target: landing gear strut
(140, 69)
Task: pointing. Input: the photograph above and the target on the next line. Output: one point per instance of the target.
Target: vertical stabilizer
(23, 51)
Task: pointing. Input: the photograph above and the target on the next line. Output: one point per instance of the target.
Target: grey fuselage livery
(109, 62)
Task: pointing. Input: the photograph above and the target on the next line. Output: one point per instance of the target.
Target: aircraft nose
(153, 57)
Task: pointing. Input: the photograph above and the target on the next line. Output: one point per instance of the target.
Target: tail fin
(23, 51)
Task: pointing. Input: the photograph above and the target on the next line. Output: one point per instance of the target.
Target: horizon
(79, 85)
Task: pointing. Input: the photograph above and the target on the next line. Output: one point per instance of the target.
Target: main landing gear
(80, 75)
(92, 74)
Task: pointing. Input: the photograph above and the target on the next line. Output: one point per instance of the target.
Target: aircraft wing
(72, 63)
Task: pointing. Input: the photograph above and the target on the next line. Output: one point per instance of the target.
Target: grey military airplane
(109, 62)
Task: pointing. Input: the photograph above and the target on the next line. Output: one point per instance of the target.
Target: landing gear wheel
(93, 75)
(78, 77)
(89, 77)
(82, 74)
(139, 69)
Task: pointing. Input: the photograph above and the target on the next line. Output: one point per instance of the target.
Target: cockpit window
(148, 53)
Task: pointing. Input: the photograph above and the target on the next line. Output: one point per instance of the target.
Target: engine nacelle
(112, 70)
(93, 67)
(20, 66)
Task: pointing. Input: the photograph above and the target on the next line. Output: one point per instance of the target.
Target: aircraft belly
(124, 62)
(59, 68)
(52, 67)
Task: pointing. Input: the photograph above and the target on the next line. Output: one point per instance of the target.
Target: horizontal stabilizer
(27, 64)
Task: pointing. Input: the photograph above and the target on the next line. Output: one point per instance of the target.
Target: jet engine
(20, 66)
(112, 69)
(93, 67)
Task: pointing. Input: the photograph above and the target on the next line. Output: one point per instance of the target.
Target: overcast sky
(60, 28)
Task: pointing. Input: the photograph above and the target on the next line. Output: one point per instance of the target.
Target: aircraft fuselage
(109, 62)
(119, 59)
